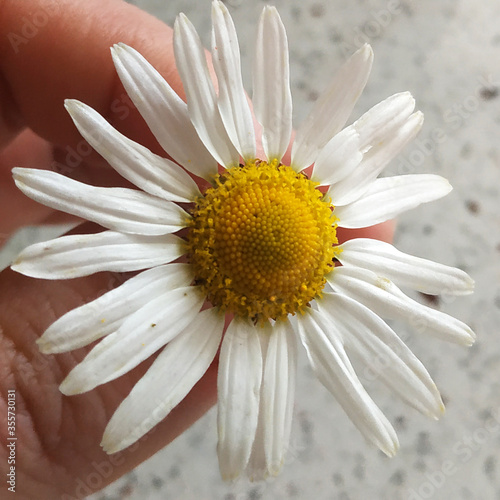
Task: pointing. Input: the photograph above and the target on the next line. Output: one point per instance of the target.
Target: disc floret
(262, 240)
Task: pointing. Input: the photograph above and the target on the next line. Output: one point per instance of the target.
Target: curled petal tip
(270, 10)
(471, 339)
(69, 388)
(442, 410)
(107, 445)
(44, 346)
(73, 106)
(216, 4)
(437, 411)
(392, 449)
(181, 18)
(419, 116)
(367, 51)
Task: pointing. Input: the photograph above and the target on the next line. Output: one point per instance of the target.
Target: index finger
(51, 50)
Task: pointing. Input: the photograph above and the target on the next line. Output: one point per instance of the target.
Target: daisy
(259, 248)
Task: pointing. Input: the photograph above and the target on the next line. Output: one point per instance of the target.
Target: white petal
(279, 349)
(277, 394)
(163, 110)
(105, 315)
(379, 122)
(332, 109)
(382, 352)
(84, 254)
(405, 270)
(390, 196)
(140, 335)
(256, 469)
(152, 173)
(257, 466)
(338, 158)
(167, 382)
(239, 379)
(201, 99)
(353, 186)
(334, 370)
(272, 98)
(233, 103)
(385, 299)
(120, 209)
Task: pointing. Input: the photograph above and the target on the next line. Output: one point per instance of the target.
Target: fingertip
(68, 57)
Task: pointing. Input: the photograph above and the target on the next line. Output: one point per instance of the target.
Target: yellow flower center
(262, 240)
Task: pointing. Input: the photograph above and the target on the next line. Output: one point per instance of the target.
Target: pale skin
(64, 53)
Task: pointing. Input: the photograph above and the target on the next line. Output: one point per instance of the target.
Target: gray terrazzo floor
(447, 54)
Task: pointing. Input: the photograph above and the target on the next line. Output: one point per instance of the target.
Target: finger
(38, 75)
(42, 63)
(30, 150)
(59, 437)
(20, 209)
(66, 55)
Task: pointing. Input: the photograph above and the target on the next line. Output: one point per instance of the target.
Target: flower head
(259, 246)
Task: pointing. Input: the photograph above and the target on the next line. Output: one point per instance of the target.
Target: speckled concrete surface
(447, 54)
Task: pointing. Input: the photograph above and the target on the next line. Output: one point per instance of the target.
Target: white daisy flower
(260, 246)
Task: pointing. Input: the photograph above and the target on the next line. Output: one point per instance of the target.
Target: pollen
(262, 240)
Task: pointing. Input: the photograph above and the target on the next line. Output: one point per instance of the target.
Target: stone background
(447, 54)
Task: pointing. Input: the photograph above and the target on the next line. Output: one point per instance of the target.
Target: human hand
(67, 56)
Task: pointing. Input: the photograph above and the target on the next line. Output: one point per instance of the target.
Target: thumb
(58, 437)
(58, 449)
